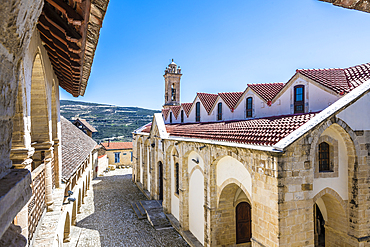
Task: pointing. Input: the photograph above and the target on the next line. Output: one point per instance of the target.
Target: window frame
(333, 170)
(299, 103)
(117, 157)
(324, 157)
(197, 112)
(177, 178)
(219, 111)
(249, 111)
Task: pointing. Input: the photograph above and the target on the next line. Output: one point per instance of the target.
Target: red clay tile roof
(208, 100)
(117, 145)
(339, 80)
(187, 107)
(357, 75)
(175, 110)
(165, 112)
(262, 131)
(267, 91)
(231, 99)
(76, 147)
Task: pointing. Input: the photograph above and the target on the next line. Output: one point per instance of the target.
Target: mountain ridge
(112, 122)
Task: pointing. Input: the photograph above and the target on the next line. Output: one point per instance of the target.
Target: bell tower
(172, 76)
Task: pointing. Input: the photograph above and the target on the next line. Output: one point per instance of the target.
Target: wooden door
(160, 181)
(243, 223)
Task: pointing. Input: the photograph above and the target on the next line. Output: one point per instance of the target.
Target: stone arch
(40, 129)
(67, 229)
(74, 213)
(231, 170)
(139, 155)
(79, 201)
(334, 212)
(333, 194)
(231, 196)
(19, 139)
(240, 185)
(83, 192)
(146, 164)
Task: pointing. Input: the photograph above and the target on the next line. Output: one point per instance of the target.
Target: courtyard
(107, 218)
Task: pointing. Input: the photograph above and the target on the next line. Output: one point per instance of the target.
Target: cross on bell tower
(172, 76)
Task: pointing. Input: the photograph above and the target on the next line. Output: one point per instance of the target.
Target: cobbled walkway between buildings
(107, 218)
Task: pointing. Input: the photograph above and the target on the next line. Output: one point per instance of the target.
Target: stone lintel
(15, 191)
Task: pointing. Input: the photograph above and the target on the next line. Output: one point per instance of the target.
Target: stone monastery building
(278, 164)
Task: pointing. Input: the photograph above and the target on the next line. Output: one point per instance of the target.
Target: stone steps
(155, 215)
(140, 214)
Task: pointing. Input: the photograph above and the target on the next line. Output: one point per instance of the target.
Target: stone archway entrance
(243, 223)
(160, 182)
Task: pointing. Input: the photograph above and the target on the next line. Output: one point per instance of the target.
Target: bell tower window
(197, 112)
(299, 99)
(173, 92)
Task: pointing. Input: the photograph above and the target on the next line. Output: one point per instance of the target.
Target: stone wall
(18, 21)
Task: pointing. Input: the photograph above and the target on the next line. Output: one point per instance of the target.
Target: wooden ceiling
(64, 26)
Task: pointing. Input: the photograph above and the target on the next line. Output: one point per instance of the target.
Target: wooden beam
(71, 15)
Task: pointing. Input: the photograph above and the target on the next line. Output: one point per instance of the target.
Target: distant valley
(112, 122)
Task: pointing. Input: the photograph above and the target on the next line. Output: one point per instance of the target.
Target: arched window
(177, 184)
(324, 157)
(170, 117)
(219, 111)
(249, 107)
(299, 99)
(197, 112)
(182, 116)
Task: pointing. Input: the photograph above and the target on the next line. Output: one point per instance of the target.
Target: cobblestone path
(107, 218)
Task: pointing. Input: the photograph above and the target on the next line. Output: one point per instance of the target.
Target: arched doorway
(243, 223)
(160, 181)
(319, 226)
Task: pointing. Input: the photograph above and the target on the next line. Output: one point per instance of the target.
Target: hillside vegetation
(111, 122)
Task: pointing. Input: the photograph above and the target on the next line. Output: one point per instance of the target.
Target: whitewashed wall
(359, 108)
(196, 196)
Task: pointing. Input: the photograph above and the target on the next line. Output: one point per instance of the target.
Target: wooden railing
(37, 202)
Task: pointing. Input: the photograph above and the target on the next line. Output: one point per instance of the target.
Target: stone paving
(107, 218)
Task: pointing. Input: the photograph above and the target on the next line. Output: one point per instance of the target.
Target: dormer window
(219, 111)
(182, 116)
(249, 107)
(170, 117)
(299, 99)
(197, 112)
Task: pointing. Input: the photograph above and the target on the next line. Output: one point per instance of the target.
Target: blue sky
(220, 45)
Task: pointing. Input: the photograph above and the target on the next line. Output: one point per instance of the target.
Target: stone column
(21, 158)
(48, 185)
(57, 163)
